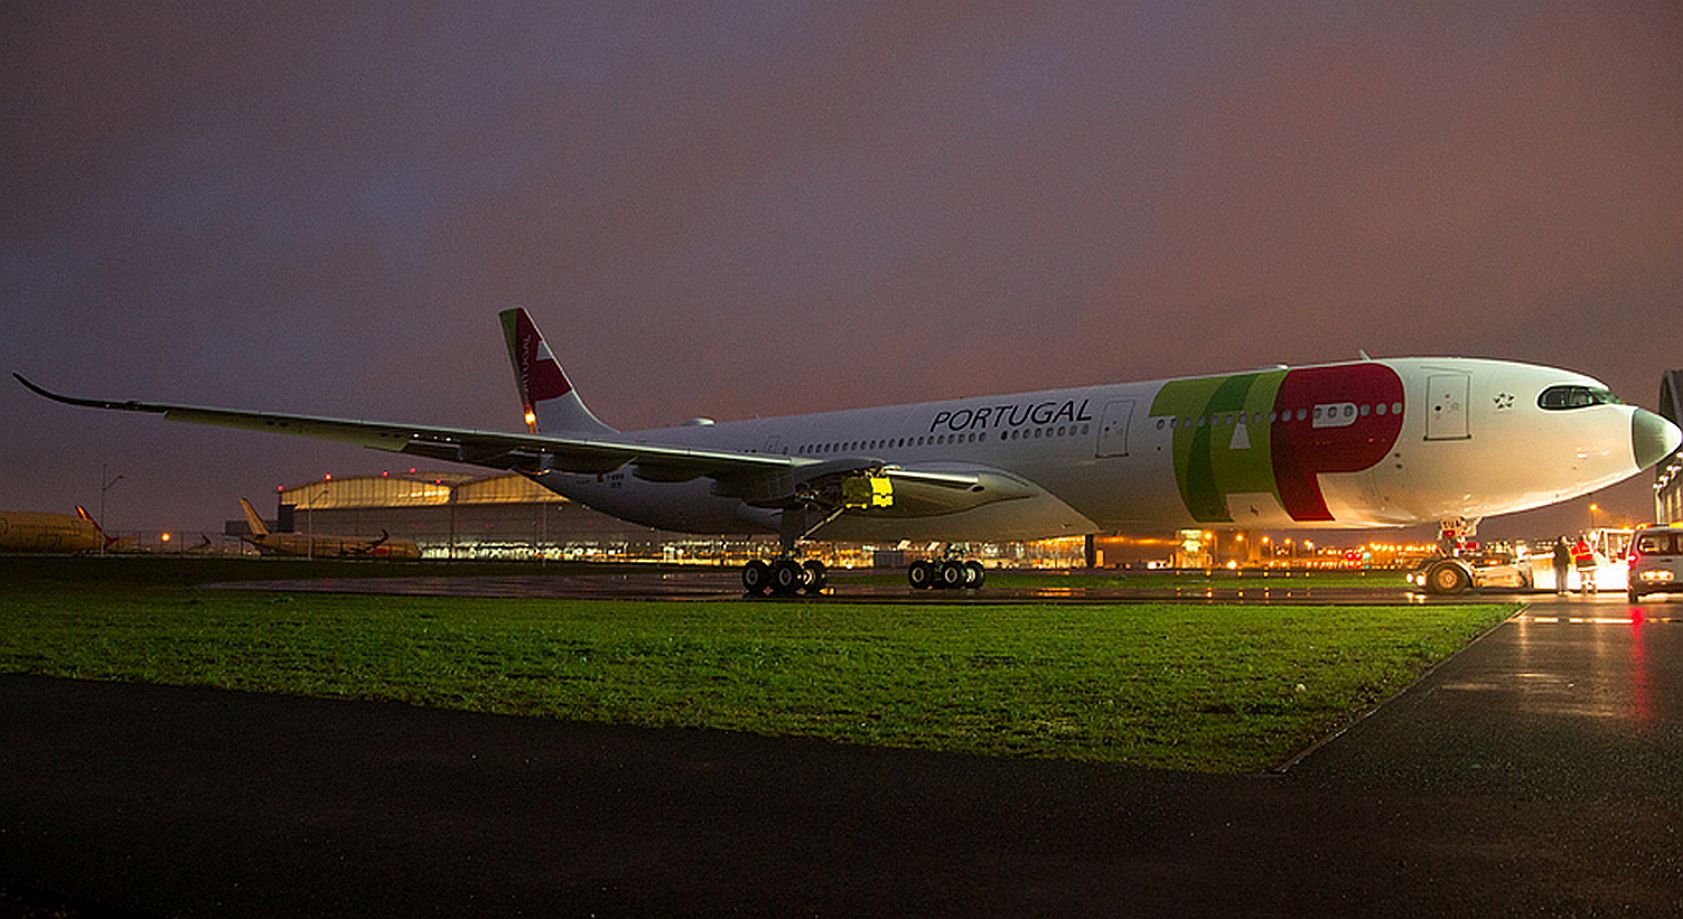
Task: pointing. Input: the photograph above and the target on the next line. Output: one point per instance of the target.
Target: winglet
(547, 398)
(129, 406)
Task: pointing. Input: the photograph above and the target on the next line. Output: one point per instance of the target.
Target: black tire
(978, 574)
(951, 575)
(816, 575)
(1447, 578)
(921, 575)
(756, 577)
(787, 576)
(1635, 595)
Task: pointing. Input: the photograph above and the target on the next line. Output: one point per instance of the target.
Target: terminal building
(1668, 475)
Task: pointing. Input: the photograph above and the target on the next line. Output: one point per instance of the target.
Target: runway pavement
(1539, 772)
(714, 584)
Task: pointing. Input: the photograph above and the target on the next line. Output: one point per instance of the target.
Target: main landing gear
(947, 573)
(783, 577)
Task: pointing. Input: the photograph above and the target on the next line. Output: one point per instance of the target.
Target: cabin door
(1446, 406)
(1113, 428)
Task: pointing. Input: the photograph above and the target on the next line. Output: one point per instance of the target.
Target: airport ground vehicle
(1656, 562)
(1520, 571)
(1453, 574)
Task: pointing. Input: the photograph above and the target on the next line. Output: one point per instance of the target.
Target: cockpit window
(1560, 398)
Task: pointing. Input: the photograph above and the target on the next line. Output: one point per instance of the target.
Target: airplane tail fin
(252, 519)
(82, 512)
(547, 397)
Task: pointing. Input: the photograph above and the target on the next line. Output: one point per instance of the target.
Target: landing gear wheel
(1446, 578)
(756, 577)
(952, 574)
(977, 574)
(787, 576)
(921, 575)
(816, 575)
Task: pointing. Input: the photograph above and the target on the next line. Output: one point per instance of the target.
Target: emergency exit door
(1446, 406)
(1113, 428)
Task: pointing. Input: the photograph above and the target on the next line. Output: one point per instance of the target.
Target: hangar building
(506, 515)
(462, 515)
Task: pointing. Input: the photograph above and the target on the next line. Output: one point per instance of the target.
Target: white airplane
(1367, 443)
(311, 545)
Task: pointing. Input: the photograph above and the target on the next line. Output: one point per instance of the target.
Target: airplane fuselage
(1359, 444)
(25, 531)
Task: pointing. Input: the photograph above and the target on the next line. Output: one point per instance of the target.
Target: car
(1656, 562)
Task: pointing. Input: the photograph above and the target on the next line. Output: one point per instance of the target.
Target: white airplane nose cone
(1652, 438)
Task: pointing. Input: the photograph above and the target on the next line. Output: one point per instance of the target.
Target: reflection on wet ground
(725, 585)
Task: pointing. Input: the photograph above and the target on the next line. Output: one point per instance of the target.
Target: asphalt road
(1539, 772)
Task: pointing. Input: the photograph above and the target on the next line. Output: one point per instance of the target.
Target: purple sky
(758, 209)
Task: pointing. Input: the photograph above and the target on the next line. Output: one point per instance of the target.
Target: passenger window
(1396, 408)
(1365, 409)
(1302, 413)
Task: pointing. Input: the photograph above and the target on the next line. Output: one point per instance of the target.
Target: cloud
(771, 208)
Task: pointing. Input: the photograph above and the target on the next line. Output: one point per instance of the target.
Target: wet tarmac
(1538, 772)
(726, 585)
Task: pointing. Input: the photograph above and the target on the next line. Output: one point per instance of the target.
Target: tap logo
(1275, 432)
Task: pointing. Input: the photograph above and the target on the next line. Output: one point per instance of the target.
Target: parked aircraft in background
(322, 545)
(28, 531)
(1367, 443)
(112, 543)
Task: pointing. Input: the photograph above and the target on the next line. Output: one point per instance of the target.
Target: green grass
(1217, 688)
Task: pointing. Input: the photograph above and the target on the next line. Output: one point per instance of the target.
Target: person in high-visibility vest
(1583, 558)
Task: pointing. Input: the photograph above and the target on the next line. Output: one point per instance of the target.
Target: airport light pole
(105, 486)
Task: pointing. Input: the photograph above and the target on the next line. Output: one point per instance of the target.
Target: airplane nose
(1652, 437)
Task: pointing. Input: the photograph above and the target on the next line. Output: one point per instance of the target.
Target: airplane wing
(496, 449)
(767, 480)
